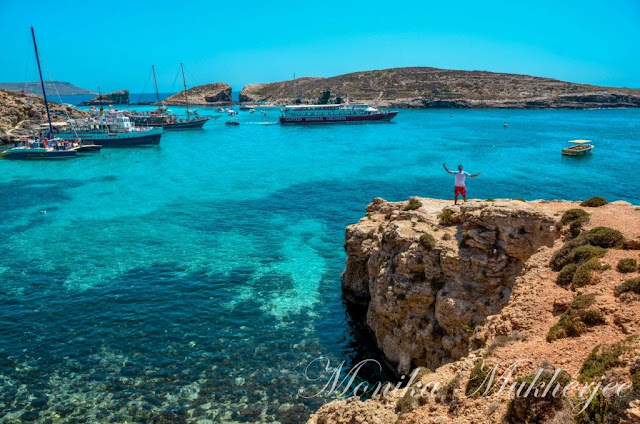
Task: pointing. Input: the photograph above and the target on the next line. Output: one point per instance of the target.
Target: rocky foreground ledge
(554, 285)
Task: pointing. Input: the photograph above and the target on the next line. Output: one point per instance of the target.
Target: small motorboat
(234, 123)
(87, 148)
(232, 112)
(578, 148)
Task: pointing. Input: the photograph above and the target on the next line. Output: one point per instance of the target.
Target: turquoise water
(198, 278)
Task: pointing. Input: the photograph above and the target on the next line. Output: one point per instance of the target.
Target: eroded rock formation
(428, 286)
(214, 93)
(120, 97)
(494, 300)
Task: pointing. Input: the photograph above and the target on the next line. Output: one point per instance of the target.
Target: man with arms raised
(460, 186)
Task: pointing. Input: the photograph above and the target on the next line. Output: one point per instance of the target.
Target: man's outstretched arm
(475, 175)
(445, 168)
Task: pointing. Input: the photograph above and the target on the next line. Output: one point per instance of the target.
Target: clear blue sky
(112, 44)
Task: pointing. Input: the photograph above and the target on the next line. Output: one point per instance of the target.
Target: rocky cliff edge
(448, 286)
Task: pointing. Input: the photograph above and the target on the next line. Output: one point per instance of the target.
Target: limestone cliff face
(428, 286)
(215, 93)
(481, 290)
(120, 97)
(22, 114)
(424, 87)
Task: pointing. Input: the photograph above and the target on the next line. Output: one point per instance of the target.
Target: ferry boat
(334, 114)
(113, 130)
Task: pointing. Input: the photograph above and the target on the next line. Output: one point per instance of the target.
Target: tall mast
(155, 82)
(373, 93)
(294, 88)
(186, 96)
(44, 93)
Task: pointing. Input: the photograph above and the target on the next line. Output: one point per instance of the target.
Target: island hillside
(23, 114)
(52, 87)
(217, 93)
(554, 285)
(423, 87)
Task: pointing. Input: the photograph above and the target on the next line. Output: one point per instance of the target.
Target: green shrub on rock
(537, 409)
(594, 202)
(478, 379)
(573, 215)
(603, 358)
(427, 241)
(632, 285)
(413, 205)
(565, 276)
(591, 317)
(627, 265)
(446, 218)
(604, 237)
(584, 273)
(577, 255)
(575, 321)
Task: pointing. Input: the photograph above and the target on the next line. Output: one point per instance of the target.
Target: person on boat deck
(460, 176)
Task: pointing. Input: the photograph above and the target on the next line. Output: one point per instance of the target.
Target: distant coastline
(53, 87)
(425, 87)
(409, 87)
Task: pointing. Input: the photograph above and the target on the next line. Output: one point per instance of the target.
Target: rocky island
(23, 114)
(424, 87)
(452, 291)
(120, 97)
(217, 93)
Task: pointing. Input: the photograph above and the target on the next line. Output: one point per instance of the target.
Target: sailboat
(46, 147)
(162, 116)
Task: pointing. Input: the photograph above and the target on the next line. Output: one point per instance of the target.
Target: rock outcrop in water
(448, 286)
(207, 94)
(120, 97)
(424, 87)
(22, 114)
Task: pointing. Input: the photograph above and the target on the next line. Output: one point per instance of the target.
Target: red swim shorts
(461, 191)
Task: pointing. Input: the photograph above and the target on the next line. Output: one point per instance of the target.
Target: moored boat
(114, 130)
(164, 118)
(578, 148)
(334, 114)
(40, 147)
